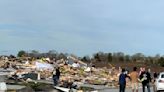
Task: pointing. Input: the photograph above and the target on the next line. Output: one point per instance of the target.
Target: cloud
(82, 26)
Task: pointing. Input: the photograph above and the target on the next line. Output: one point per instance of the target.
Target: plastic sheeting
(44, 66)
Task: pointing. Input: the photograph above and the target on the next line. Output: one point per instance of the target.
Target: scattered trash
(72, 71)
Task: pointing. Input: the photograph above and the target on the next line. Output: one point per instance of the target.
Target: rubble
(72, 70)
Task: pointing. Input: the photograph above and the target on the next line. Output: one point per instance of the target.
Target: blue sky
(82, 27)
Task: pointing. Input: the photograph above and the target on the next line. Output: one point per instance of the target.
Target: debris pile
(72, 71)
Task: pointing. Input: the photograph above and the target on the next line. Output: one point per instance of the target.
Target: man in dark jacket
(145, 78)
(122, 81)
(56, 76)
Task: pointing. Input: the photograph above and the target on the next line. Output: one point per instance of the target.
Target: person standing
(56, 76)
(155, 75)
(122, 81)
(145, 78)
(134, 79)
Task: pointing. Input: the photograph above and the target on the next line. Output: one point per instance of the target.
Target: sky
(82, 27)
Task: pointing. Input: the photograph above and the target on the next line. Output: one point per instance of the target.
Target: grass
(36, 86)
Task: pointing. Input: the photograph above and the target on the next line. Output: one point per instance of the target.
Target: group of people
(143, 77)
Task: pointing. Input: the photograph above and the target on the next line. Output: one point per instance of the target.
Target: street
(117, 90)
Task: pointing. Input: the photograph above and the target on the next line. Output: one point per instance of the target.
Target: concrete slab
(15, 87)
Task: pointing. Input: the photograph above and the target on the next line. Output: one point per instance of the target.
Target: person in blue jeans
(122, 80)
(56, 76)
